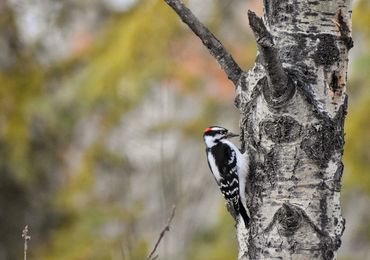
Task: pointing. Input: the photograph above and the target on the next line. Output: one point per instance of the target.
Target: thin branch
(161, 235)
(227, 62)
(277, 78)
(26, 238)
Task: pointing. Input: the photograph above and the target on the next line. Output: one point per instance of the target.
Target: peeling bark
(293, 105)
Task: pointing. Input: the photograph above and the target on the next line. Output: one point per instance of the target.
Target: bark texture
(293, 105)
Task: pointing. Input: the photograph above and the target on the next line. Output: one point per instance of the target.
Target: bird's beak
(230, 135)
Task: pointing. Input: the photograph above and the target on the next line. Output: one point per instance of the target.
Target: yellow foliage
(20, 85)
(356, 154)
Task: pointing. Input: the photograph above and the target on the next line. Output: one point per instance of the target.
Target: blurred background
(103, 103)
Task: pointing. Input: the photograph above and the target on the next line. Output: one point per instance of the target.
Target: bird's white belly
(214, 168)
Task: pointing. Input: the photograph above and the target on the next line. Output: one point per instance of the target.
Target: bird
(229, 168)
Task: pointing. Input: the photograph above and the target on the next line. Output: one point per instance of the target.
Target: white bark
(292, 105)
(296, 178)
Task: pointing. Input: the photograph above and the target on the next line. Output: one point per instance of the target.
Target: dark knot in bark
(327, 52)
(289, 219)
(280, 88)
(273, 100)
(282, 129)
(321, 141)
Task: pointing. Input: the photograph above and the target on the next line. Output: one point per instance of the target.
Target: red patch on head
(208, 129)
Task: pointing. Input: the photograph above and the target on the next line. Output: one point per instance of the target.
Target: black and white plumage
(229, 167)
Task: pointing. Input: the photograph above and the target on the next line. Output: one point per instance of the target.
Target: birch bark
(292, 107)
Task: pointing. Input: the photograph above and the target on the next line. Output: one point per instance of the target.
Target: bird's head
(214, 134)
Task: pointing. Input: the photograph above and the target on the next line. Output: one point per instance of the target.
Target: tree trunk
(292, 105)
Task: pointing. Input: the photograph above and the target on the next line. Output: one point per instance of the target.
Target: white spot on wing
(234, 180)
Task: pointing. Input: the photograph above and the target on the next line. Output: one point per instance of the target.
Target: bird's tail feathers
(244, 214)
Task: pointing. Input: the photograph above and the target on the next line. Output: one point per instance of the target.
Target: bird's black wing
(226, 163)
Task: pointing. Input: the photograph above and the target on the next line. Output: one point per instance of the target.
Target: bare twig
(26, 238)
(277, 78)
(161, 235)
(227, 62)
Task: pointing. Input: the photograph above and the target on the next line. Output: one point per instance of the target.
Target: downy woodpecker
(229, 167)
